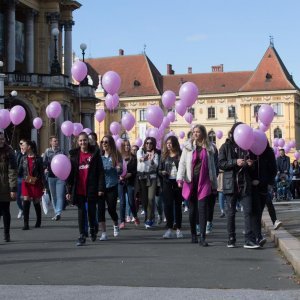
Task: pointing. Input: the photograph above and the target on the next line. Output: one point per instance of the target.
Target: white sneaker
(103, 237)
(132, 220)
(168, 234)
(20, 214)
(186, 209)
(128, 219)
(277, 224)
(142, 212)
(116, 231)
(179, 234)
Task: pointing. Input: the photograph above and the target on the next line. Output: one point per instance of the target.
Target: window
(124, 136)
(231, 112)
(255, 110)
(123, 112)
(143, 115)
(211, 113)
(212, 136)
(277, 107)
(277, 133)
(192, 111)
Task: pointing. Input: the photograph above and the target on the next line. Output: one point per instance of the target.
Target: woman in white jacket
(197, 176)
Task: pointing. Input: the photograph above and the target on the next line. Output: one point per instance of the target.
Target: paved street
(138, 258)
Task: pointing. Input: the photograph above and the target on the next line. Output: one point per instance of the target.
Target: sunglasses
(104, 142)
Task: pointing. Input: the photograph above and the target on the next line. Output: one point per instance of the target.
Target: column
(2, 77)
(68, 48)
(30, 41)
(11, 41)
(87, 120)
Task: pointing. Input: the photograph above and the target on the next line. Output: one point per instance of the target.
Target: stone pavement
(287, 238)
(45, 264)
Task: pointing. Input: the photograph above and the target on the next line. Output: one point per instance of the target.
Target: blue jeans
(221, 197)
(19, 193)
(57, 191)
(126, 191)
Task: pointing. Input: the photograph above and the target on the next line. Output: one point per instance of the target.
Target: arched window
(212, 136)
(277, 133)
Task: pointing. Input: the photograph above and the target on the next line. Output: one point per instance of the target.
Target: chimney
(170, 71)
(218, 68)
(190, 70)
(121, 52)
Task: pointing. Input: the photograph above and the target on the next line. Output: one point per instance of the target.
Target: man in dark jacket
(283, 163)
(236, 164)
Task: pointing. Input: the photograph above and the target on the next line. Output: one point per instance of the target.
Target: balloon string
(12, 136)
(79, 103)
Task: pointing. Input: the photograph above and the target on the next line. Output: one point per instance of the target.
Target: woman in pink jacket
(197, 175)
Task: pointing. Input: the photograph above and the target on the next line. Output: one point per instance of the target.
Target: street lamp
(232, 110)
(83, 47)
(55, 67)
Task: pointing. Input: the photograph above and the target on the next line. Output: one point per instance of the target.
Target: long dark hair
(204, 135)
(114, 153)
(32, 145)
(153, 140)
(175, 146)
(293, 165)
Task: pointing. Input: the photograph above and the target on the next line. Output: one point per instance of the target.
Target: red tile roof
(271, 74)
(139, 76)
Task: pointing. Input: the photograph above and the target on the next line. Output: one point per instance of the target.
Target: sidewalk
(286, 238)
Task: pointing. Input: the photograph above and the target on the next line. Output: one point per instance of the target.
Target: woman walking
(171, 192)
(112, 163)
(147, 167)
(85, 184)
(197, 175)
(8, 183)
(33, 182)
(295, 184)
(126, 184)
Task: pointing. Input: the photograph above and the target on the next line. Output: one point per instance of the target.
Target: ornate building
(37, 56)
(224, 97)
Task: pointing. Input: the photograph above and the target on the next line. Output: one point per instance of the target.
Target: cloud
(196, 38)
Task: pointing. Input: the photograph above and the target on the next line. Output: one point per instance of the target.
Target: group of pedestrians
(101, 174)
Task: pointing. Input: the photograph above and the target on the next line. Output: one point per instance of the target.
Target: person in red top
(31, 165)
(85, 184)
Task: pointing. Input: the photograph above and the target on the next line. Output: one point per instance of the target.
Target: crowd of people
(193, 176)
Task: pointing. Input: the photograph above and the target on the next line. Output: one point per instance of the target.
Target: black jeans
(91, 212)
(5, 213)
(246, 202)
(211, 207)
(110, 197)
(172, 203)
(270, 206)
(258, 202)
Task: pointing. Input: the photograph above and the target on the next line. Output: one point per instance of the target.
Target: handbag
(30, 179)
(46, 203)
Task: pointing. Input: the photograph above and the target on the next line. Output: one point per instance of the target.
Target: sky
(191, 33)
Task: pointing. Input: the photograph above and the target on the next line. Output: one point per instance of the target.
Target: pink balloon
(297, 155)
(61, 166)
(188, 117)
(180, 108)
(153, 132)
(275, 142)
(54, 109)
(100, 115)
(115, 137)
(124, 168)
(111, 82)
(128, 121)
(281, 142)
(181, 134)
(292, 144)
(260, 142)
(37, 123)
(188, 93)
(286, 148)
(243, 136)
(87, 130)
(77, 129)
(266, 114)
(4, 118)
(219, 134)
(79, 70)
(161, 132)
(138, 142)
(48, 112)
(154, 115)
(158, 145)
(165, 123)
(171, 116)
(119, 143)
(115, 100)
(168, 99)
(263, 127)
(17, 114)
(115, 128)
(276, 151)
(111, 101)
(67, 128)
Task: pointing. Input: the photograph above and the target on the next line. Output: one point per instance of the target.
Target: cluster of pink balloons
(265, 116)
(15, 116)
(280, 143)
(111, 82)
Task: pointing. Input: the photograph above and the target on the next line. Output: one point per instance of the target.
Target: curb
(287, 243)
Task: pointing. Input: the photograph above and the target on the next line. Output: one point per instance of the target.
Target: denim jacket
(111, 173)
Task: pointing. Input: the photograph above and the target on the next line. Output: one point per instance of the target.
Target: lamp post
(55, 67)
(83, 47)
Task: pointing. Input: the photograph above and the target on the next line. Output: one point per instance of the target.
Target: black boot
(38, 211)
(6, 237)
(93, 234)
(194, 239)
(202, 241)
(26, 210)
